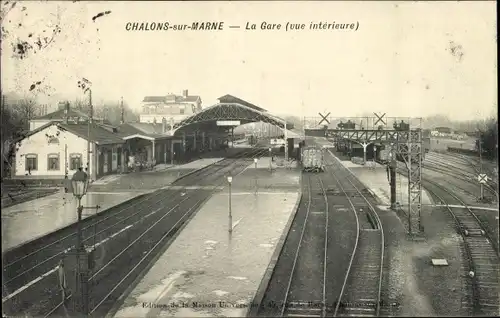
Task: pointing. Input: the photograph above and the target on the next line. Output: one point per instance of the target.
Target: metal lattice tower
(404, 143)
(409, 146)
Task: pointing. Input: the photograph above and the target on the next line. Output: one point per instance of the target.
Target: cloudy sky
(406, 59)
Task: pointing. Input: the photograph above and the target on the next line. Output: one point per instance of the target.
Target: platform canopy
(228, 109)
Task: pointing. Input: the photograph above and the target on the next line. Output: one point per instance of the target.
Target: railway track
(17, 195)
(458, 175)
(39, 261)
(473, 163)
(305, 294)
(480, 252)
(361, 290)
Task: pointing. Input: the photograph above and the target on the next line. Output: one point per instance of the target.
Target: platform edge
(261, 290)
(120, 301)
(56, 231)
(195, 170)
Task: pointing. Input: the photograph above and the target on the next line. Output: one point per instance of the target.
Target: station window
(75, 161)
(181, 111)
(31, 162)
(53, 162)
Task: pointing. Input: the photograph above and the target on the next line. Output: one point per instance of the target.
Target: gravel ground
(442, 285)
(412, 286)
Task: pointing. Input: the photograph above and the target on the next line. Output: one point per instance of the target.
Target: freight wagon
(312, 159)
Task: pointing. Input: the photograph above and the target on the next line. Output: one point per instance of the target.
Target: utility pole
(409, 159)
(286, 144)
(89, 124)
(481, 164)
(122, 112)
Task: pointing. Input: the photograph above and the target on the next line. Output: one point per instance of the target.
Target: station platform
(374, 177)
(206, 272)
(33, 219)
(150, 180)
(413, 281)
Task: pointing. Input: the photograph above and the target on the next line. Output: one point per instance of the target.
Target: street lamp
(255, 161)
(86, 86)
(79, 186)
(270, 159)
(230, 180)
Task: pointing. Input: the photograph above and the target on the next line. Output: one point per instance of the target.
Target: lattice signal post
(405, 141)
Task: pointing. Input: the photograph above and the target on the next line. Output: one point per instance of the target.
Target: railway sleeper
(361, 309)
(303, 309)
(473, 232)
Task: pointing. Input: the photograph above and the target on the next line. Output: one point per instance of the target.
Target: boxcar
(312, 159)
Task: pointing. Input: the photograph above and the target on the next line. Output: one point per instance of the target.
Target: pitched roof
(60, 115)
(232, 99)
(163, 99)
(127, 129)
(146, 128)
(154, 99)
(98, 133)
(26, 134)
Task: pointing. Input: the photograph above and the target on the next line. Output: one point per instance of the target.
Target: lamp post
(85, 85)
(79, 185)
(230, 180)
(270, 159)
(255, 161)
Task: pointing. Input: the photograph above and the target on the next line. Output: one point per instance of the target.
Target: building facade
(56, 150)
(170, 108)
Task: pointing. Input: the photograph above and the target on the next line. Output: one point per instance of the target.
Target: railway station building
(56, 148)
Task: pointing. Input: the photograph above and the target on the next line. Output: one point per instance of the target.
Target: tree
(488, 138)
(26, 109)
(110, 111)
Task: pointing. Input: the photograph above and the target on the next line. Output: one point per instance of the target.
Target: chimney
(185, 93)
(164, 125)
(66, 112)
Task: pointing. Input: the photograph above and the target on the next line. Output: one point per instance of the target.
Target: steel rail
(375, 215)
(289, 284)
(258, 153)
(121, 221)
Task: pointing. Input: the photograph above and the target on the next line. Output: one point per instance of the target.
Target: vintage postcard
(249, 158)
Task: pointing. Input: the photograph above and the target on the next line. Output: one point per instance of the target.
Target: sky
(405, 58)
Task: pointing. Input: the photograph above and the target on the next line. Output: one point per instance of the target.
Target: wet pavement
(27, 221)
(150, 180)
(264, 180)
(375, 178)
(208, 272)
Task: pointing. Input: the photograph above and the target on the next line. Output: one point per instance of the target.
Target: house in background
(173, 108)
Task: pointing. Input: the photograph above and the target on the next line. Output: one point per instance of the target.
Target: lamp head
(229, 179)
(255, 160)
(79, 183)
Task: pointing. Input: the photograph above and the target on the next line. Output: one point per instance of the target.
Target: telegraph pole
(481, 164)
(89, 124)
(286, 144)
(122, 112)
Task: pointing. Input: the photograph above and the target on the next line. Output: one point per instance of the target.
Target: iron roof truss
(228, 112)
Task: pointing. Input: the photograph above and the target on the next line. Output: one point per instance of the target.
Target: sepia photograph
(249, 159)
